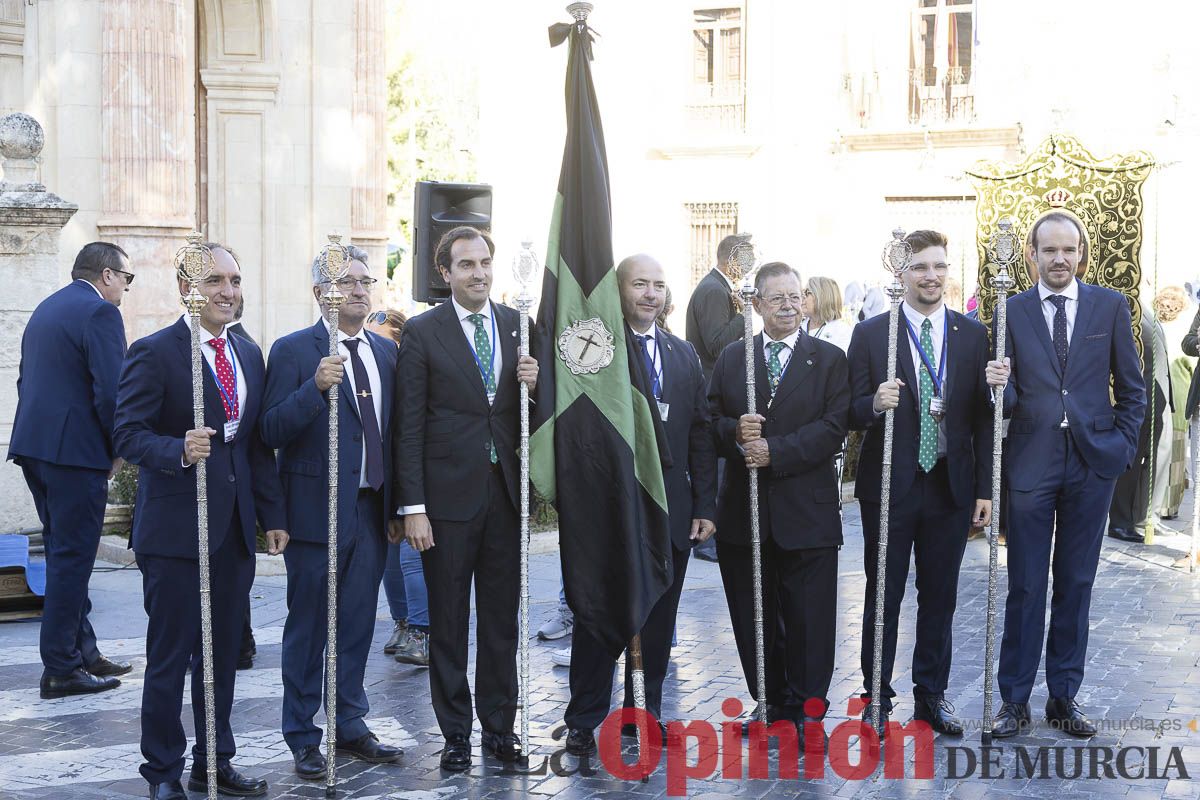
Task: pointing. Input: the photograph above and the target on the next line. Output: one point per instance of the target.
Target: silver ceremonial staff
(1195, 553)
(896, 258)
(525, 267)
(334, 262)
(193, 263)
(743, 258)
(1004, 251)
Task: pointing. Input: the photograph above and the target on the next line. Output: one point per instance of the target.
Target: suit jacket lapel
(1083, 318)
(904, 361)
(1033, 312)
(672, 370)
(345, 394)
(454, 342)
(507, 339)
(797, 367)
(762, 384)
(254, 386)
(214, 409)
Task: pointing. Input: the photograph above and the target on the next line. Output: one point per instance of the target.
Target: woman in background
(823, 312)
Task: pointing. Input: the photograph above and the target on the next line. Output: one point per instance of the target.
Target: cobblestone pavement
(1142, 666)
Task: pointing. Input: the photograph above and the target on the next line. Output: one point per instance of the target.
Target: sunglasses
(377, 317)
(128, 275)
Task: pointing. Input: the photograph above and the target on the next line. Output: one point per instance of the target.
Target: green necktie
(774, 366)
(927, 456)
(483, 351)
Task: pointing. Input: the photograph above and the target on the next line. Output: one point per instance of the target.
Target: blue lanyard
(655, 369)
(491, 361)
(230, 402)
(941, 368)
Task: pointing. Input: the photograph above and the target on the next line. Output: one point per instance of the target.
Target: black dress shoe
(580, 742)
(310, 762)
(504, 746)
(245, 660)
(774, 714)
(630, 730)
(456, 755)
(78, 682)
(171, 790)
(1012, 719)
(939, 714)
(230, 782)
(884, 714)
(104, 668)
(1126, 535)
(1063, 714)
(368, 748)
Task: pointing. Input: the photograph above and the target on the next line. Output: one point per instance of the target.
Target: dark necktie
(1060, 328)
(372, 440)
(651, 373)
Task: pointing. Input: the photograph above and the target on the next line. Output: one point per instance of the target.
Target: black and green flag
(595, 447)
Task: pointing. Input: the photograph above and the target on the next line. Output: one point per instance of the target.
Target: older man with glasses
(300, 373)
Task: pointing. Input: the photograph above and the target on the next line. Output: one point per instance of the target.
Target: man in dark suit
(457, 484)
(71, 355)
(803, 397)
(154, 430)
(1067, 443)
(714, 320)
(673, 373)
(295, 422)
(941, 483)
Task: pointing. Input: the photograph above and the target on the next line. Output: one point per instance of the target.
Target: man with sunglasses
(71, 355)
(300, 373)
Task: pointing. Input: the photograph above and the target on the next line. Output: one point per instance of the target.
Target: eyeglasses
(347, 284)
(808, 293)
(777, 300)
(128, 275)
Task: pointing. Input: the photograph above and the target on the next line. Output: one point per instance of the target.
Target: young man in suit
(941, 481)
(71, 354)
(803, 396)
(673, 373)
(457, 485)
(1067, 443)
(295, 422)
(154, 430)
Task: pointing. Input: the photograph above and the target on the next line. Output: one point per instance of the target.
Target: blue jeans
(404, 585)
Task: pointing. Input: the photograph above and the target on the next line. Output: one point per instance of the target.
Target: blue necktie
(1060, 328)
(651, 373)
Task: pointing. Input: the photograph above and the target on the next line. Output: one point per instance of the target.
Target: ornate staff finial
(898, 254)
(580, 11)
(1004, 252)
(334, 262)
(741, 264)
(193, 263)
(525, 265)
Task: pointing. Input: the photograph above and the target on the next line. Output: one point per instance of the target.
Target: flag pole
(896, 258)
(334, 262)
(1004, 253)
(742, 260)
(525, 266)
(193, 263)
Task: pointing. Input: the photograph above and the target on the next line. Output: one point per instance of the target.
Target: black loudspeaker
(439, 207)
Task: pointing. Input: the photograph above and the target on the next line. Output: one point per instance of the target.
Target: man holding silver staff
(296, 423)
(803, 397)
(673, 373)
(941, 470)
(1069, 439)
(154, 429)
(457, 474)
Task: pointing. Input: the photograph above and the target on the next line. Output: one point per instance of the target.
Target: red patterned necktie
(226, 378)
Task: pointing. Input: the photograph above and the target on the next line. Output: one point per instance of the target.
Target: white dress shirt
(468, 328)
(210, 357)
(937, 331)
(785, 355)
(368, 358)
(92, 286)
(652, 348)
(1049, 309)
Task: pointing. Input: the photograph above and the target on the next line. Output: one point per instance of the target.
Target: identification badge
(231, 429)
(663, 410)
(937, 408)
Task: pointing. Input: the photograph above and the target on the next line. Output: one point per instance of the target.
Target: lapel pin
(955, 327)
(514, 333)
(809, 362)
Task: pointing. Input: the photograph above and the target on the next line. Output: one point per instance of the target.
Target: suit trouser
(361, 548)
(1057, 527)
(171, 591)
(70, 504)
(487, 549)
(592, 667)
(924, 521)
(799, 588)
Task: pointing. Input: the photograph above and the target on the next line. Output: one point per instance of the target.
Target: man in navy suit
(1067, 443)
(295, 421)
(672, 371)
(457, 482)
(71, 355)
(803, 397)
(941, 482)
(155, 430)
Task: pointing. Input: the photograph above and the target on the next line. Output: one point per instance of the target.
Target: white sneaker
(558, 626)
(561, 658)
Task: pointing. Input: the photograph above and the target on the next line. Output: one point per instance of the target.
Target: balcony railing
(717, 108)
(930, 103)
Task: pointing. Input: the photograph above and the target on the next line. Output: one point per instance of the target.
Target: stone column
(30, 221)
(148, 148)
(368, 205)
